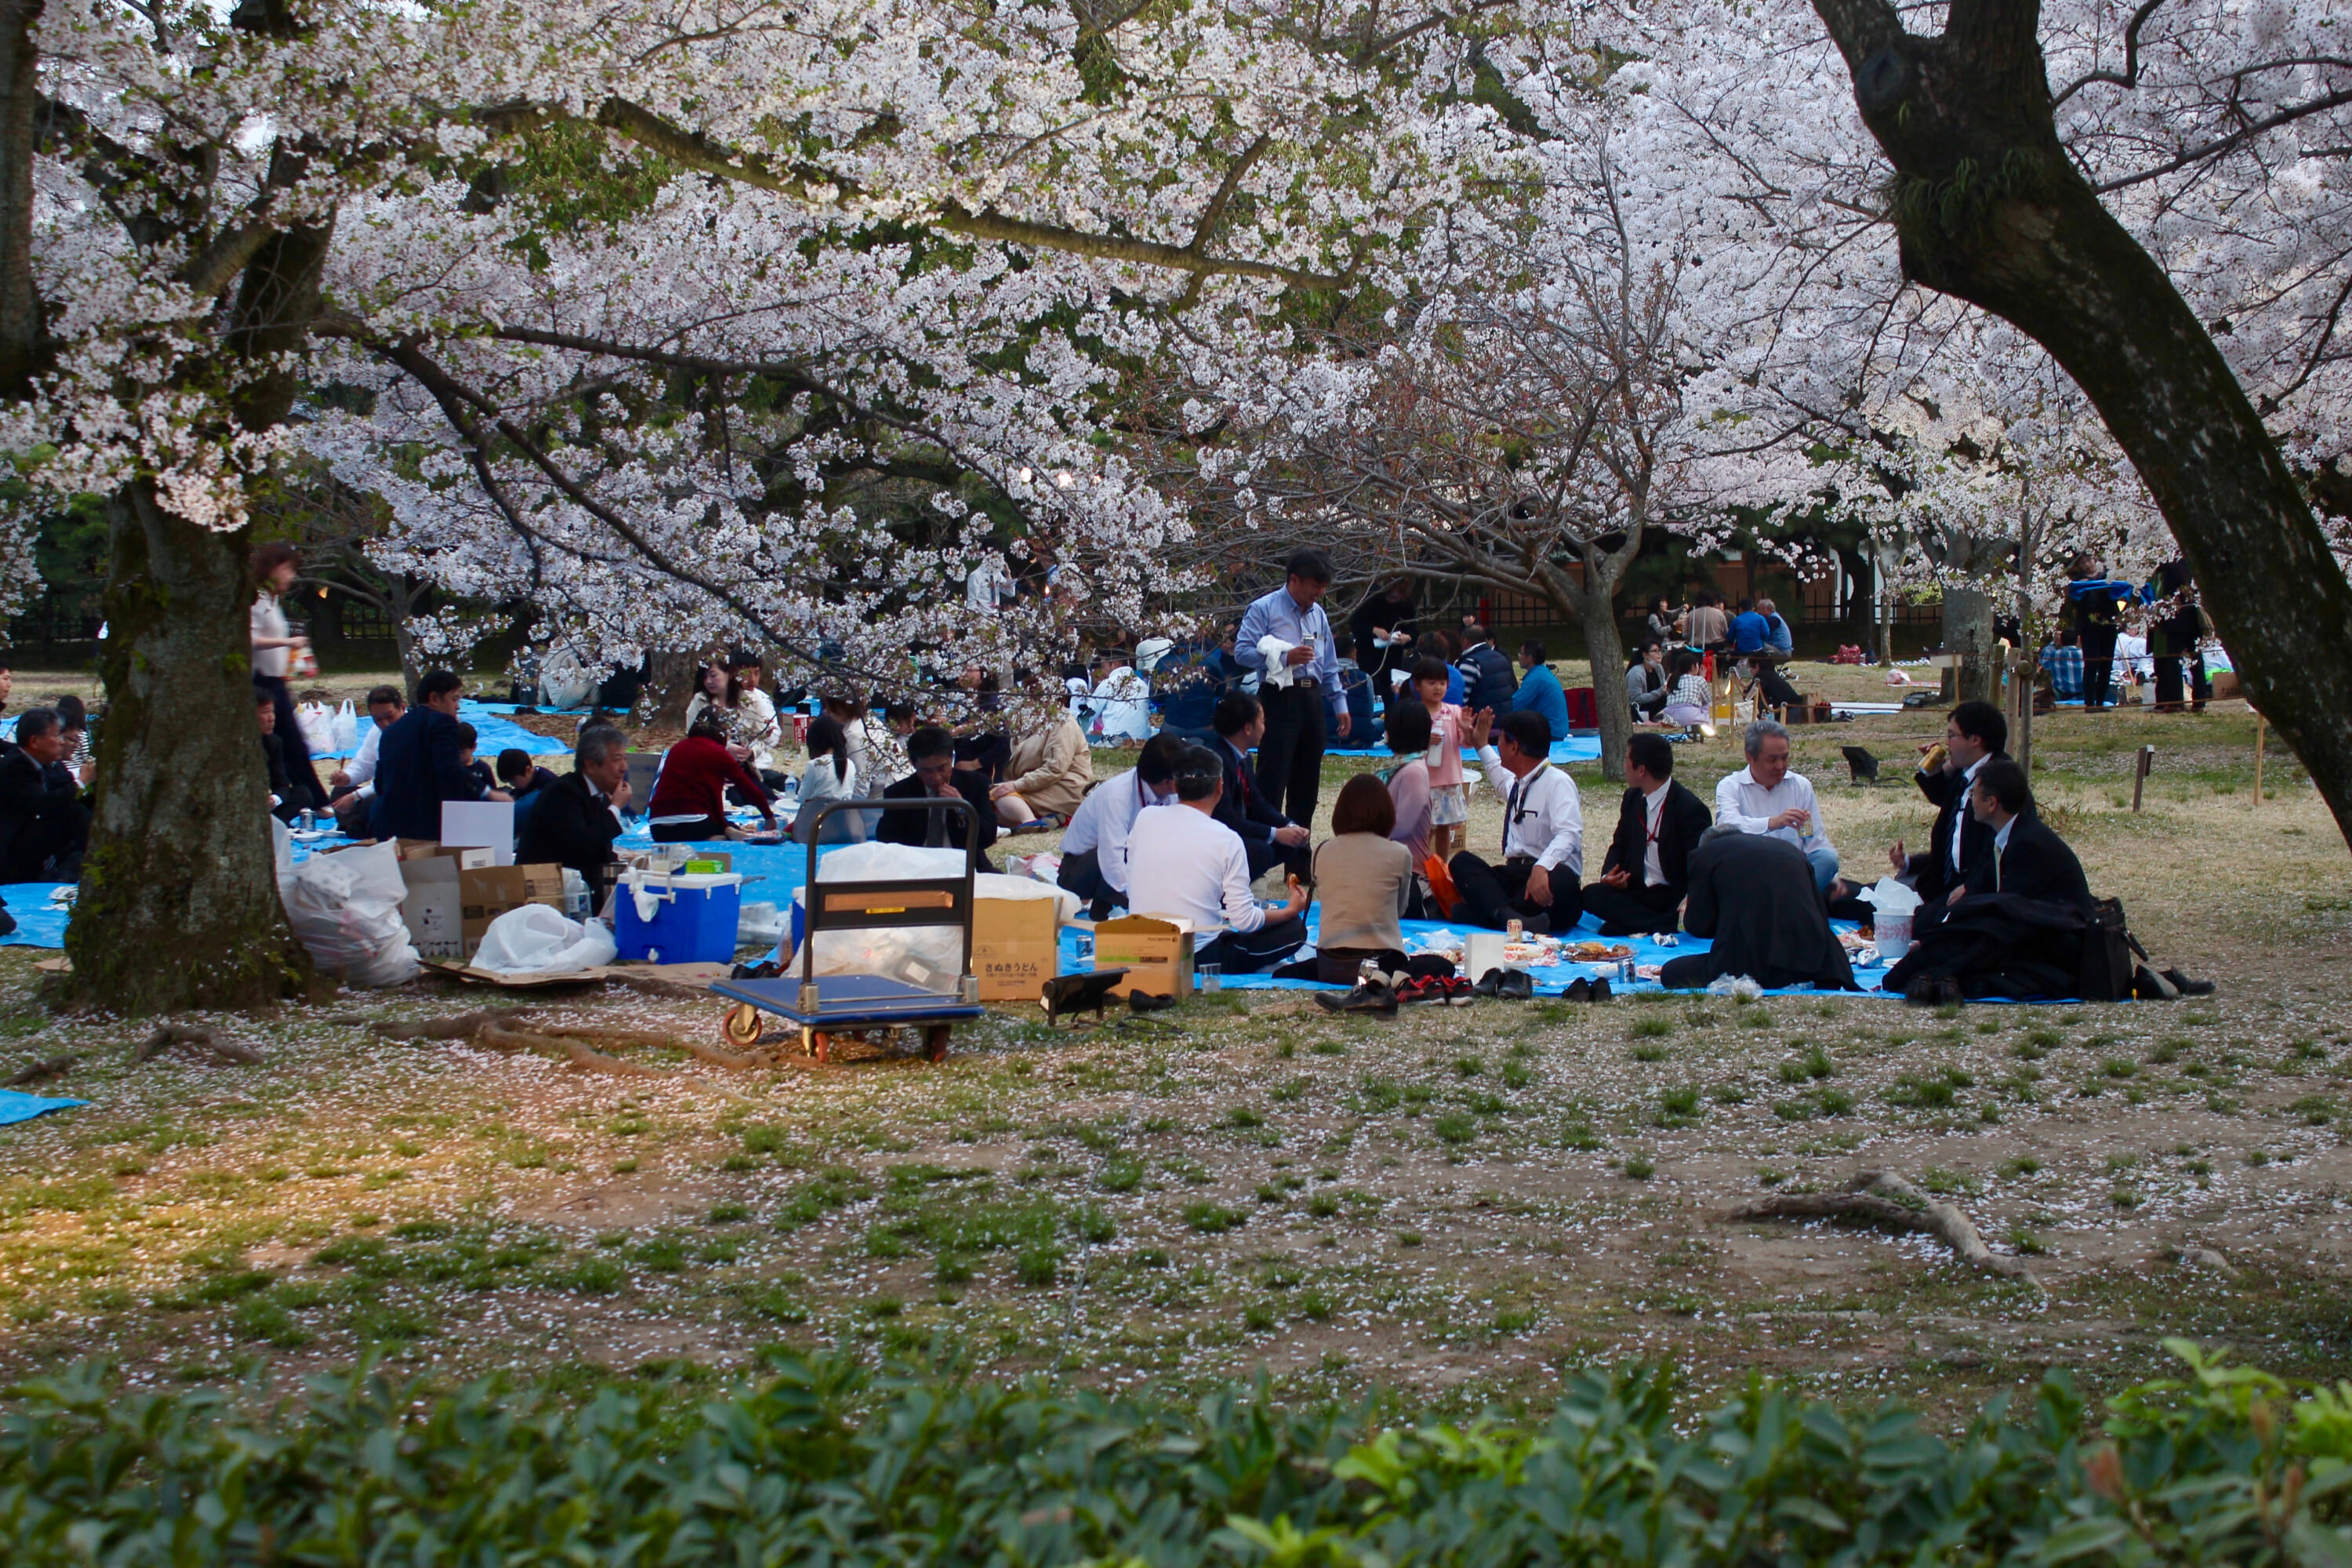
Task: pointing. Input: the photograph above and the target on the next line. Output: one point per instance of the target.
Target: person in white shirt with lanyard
(1190, 867)
(1766, 797)
(1540, 881)
(1286, 639)
(1095, 845)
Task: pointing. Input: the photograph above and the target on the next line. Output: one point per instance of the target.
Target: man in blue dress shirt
(1286, 639)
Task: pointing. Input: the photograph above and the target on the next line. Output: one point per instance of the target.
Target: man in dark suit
(420, 762)
(2026, 859)
(1973, 736)
(1754, 898)
(931, 749)
(1644, 881)
(574, 820)
(1267, 836)
(43, 827)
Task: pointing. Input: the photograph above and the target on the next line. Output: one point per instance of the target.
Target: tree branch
(2129, 75)
(2221, 144)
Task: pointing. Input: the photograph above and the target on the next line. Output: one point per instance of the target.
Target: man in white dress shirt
(1190, 867)
(1766, 797)
(353, 784)
(1540, 882)
(1286, 640)
(1095, 845)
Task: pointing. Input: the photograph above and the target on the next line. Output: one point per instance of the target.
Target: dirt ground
(1448, 1208)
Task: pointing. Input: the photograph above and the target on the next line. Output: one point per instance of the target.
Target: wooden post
(2139, 775)
(2261, 724)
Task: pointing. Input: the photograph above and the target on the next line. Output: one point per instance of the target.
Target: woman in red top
(690, 804)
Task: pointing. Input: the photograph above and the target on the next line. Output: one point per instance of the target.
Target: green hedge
(820, 1464)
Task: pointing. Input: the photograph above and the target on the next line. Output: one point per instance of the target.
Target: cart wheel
(741, 1026)
(935, 1041)
(818, 1044)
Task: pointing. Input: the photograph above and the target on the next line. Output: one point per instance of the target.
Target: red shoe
(1421, 988)
(1459, 990)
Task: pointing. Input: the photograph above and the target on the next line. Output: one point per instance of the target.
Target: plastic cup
(1209, 977)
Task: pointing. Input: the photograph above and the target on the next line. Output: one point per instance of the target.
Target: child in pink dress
(1449, 798)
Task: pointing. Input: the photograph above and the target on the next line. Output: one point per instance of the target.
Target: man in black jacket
(2025, 858)
(574, 820)
(1486, 679)
(2016, 928)
(1647, 873)
(931, 749)
(1973, 736)
(419, 764)
(1382, 626)
(1267, 836)
(1754, 896)
(43, 827)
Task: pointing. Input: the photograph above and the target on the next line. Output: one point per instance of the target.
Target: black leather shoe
(1579, 990)
(1489, 984)
(2150, 986)
(1373, 998)
(1516, 985)
(1141, 1002)
(1601, 992)
(2187, 986)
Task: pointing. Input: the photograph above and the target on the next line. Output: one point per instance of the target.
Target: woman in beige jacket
(1051, 768)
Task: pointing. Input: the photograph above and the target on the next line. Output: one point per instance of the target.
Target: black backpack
(2108, 954)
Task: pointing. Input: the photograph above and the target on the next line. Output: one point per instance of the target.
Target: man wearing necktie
(1286, 639)
(1543, 834)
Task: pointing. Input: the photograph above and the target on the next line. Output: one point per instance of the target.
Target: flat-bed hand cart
(867, 1007)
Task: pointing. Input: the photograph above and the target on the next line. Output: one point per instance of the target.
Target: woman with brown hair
(274, 567)
(1363, 884)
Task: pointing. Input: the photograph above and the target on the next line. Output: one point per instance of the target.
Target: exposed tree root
(580, 1055)
(1883, 1198)
(647, 1037)
(457, 1026)
(52, 1066)
(168, 1036)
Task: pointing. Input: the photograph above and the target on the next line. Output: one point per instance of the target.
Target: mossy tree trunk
(1989, 208)
(178, 907)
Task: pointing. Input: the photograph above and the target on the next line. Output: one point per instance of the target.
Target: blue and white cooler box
(678, 917)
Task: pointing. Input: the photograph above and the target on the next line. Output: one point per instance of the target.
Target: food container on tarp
(688, 917)
(1897, 905)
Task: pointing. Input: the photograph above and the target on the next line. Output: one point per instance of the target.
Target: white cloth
(2131, 653)
(1742, 803)
(1121, 706)
(269, 621)
(1274, 659)
(1103, 821)
(1191, 867)
(1653, 808)
(1542, 814)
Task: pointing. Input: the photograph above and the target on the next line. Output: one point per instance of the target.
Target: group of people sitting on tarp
(45, 775)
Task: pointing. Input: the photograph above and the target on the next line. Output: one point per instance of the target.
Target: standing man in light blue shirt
(1286, 639)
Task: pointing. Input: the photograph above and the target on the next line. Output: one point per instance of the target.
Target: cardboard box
(1015, 947)
(1157, 955)
(2225, 685)
(451, 902)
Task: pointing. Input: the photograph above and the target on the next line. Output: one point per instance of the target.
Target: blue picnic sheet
(493, 733)
(1575, 749)
(1549, 981)
(40, 923)
(15, 1107)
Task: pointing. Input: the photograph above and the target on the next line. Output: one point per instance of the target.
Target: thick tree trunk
(1989, 209)
(178, 907)
(1607, 651)
(21, 347)
(1967, 631)
(670, 683)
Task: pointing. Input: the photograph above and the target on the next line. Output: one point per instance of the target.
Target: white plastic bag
(537, 940)
(317, 721)
(281, 847)
(346, 735)
(928, 956)
(345, 908)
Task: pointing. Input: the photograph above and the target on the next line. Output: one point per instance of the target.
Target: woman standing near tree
(274, 567)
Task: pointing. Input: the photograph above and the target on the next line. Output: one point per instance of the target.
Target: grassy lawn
(1446, 1210)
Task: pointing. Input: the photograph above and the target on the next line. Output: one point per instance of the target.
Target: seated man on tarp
(2014, 928)
(1755, 898)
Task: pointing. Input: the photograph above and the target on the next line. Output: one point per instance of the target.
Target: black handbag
(2108, 950)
